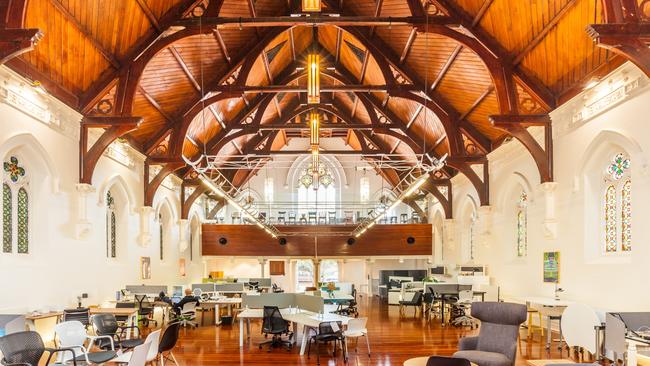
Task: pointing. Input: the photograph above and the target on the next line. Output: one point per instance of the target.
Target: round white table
(422, 361)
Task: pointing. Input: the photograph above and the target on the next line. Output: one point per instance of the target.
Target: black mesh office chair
(106, 325)
(26, 349)
(447, 361)
(328, 332)
(275, 325)
(416, 302)
(254, 285)
(168, 342)
(145, 310)
(351, 308)
(276, 289)
(81, 315)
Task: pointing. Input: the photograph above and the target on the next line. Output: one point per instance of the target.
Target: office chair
(81, 315)
(351, 308)
(124, 305)
(331, 217)
(447, 361)
(416, 302)
(292, 217)
(312, 217)
(275, 325)
(188, 313)
(145, 310)
(254, 286)
(276, 289)
(281, 217)
(461, 308)
(139, 355)
(72, 334)
(167, 343)
(328, 332)
(27, 348)
(106, 325)
(357, 329)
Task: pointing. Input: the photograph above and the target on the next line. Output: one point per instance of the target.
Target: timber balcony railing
(341, 213)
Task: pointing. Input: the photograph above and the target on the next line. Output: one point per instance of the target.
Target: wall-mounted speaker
(223, 241)
(283, 241)
(351, 241)
(410, 240)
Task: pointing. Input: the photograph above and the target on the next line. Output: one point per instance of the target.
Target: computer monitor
(438, 270)
(177, 291)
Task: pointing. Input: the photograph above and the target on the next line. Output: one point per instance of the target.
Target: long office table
(229, 302)
(307, 319)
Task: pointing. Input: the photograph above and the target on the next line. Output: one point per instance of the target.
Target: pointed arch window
(522, 225)
(111, 226)
(617, 205)
(161, 237)
(15, 207)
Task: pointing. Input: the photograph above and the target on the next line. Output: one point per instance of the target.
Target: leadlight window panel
(626, 216)
(472, 229)
(7, 224)
(617, 205)
(522, 225)
(329, 270)
(111, 226)
(23, 221)
(160, 227)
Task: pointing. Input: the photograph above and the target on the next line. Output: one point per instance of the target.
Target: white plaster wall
(609, 283)
(60, 267)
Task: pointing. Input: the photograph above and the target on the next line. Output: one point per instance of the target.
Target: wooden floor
(393, 339)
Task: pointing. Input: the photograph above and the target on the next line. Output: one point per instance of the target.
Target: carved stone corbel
(83, 227)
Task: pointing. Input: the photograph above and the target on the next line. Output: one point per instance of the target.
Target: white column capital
(144, 238)
(83, 227)
(548, 187)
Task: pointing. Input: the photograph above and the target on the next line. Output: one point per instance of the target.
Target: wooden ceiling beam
(526, 120)
(245, 89)
(315, 20)
(156, 105)
(107, 54)
(477, 102)
(452, 57)
(185, 68)
(222, 46)
(629, 40)
(408, 45)
(149, 14)
(544, 32)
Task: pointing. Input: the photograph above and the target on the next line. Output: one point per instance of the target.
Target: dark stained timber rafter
(14, 38)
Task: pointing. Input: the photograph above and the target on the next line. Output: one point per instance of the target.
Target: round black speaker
(410, 240)
(351, 241)
(223, 241)
(283, 241)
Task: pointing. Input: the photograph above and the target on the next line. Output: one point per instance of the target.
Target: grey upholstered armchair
(496, 344)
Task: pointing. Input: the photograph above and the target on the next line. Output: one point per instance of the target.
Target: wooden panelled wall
(381, 240)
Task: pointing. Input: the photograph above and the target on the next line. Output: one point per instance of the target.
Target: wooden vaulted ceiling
(88, 45)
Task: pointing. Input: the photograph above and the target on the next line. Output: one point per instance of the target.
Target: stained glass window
(111, 226)
(325, 178)
(6, 218)
(610, 219)
(23, 221)
(160, 228)
(522, 225)
(626, 216)
(617, 205)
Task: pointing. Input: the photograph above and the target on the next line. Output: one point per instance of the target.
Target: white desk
(307, 319)
(229, 302)
(551, 308)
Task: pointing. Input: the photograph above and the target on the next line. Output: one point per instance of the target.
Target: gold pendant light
(311, 5)
(313, 78)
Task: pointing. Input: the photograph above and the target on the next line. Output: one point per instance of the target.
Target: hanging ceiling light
(314, 126)
(313, 78)
(311, 5)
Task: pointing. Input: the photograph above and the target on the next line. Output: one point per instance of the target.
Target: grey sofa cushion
(484, 358)
(497, 338)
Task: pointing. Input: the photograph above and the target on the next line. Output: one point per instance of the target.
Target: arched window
(161, 238)
(329, 270)
(472, 232)
(522, 225)
(304, 274)
(15, 207)
(111, 226)
(617, 205)
(321, 192)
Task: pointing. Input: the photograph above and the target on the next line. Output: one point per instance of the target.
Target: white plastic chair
(72, 334)
(139, 354)
(188, 313)
(153, 339)
(357, 328)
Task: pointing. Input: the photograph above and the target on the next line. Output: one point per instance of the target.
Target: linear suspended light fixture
(311, 5)
(313, 78)
(314, 128)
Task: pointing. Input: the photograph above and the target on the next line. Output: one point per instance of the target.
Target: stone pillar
(262, 263)
(550, 219)
(83, 227)
(183, 243)
(144, 238)
(316, 272)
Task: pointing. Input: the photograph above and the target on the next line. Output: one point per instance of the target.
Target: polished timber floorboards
(393, 339)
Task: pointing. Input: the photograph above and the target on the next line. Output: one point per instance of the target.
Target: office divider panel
(310, 303)
(146, 289)
(229, 287)
(12, 324)
(282, 301)
(205, 287)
